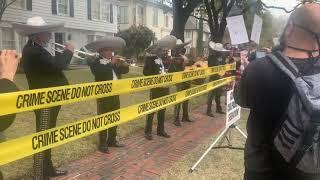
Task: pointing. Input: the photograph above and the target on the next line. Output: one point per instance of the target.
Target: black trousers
(185, 104)
(45, 119)
(156, 93)
(216, 94)
(105, 105)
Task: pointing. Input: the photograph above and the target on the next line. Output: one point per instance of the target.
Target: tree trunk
(200, 38)
(181, 15)
(179, 21)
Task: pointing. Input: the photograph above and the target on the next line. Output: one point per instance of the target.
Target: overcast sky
(288, 4)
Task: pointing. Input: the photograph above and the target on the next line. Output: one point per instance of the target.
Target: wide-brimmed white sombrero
(168, 42)
(36, 25)
(116, 43)
(180, 44)
(217, 47)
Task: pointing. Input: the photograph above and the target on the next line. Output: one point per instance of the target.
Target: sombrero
(168, 41)
(217, 47)
(116, 43)
(180, 44)
(36, 25)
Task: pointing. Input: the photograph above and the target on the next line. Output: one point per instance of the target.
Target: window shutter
(111, 13)
(54, 6)
(71, 3)
(89, 9)
(29, 5)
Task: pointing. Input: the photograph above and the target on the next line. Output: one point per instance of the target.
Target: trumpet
(76, 52)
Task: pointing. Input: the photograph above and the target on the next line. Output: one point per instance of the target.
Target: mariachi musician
(177, 64)
(104, 68)
(154, 65)
(216, 59)
(44, 68)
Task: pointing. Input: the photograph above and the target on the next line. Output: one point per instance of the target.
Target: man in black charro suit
(104, 68)
(177, 64)
(44, 67)
(154, 65)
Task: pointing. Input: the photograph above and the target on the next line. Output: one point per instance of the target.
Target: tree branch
(215, 15)
(281, 8)
(200, 18)
(12, 1)
(210, 22)
(191, 6)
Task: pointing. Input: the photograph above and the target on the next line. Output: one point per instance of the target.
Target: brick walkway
(143, 159)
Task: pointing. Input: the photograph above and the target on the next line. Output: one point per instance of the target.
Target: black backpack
(298, 138)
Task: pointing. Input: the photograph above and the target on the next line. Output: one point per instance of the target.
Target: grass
(218, 164)
(25, 124)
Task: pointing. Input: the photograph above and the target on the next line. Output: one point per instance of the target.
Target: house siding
(79, 21)
(160, 30)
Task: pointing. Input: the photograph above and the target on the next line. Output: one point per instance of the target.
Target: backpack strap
(285, 65)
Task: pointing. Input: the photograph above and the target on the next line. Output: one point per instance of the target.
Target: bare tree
(3, 6)
(182, 9)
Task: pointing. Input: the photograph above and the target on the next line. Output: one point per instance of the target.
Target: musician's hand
(69, 46)
(9, 61)
(115, 59)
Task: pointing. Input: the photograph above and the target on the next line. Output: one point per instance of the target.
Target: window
(204, 38)
(105, 11)
(20, 4)
(101, 10)
(8, 41)
(22, 42)
(62, 6)
(155, 17)
(98, 37)
(166, 21)
(95, 4)
(188, 35)
(123, 15)
(140, 15)
(59, 38)
(92, 38)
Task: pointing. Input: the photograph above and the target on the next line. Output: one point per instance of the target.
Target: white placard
(275, 41)
(237, 30)
(233, 113)
(256, 29)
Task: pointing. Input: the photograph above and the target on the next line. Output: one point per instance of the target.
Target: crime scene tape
(22, 101)
(28, 145)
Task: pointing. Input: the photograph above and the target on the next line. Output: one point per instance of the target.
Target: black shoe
(177, 123)
(186, 119)
(210, 114)
(221, 112)
(103, 149)
(148, 137)
(163, 134)
(116, 144)
(56, 173)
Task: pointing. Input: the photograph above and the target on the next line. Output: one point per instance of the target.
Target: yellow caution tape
(42, 98)
(28, 145)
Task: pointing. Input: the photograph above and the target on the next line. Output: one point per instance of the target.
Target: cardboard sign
(256, 29)
(233, 113)
(276, 41)
(237, 30)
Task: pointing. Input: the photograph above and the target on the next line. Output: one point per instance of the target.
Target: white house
(150, 13)
(85, 20)
(191, 34)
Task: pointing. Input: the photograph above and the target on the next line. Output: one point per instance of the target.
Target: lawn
(218, 164)
(25, 124)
